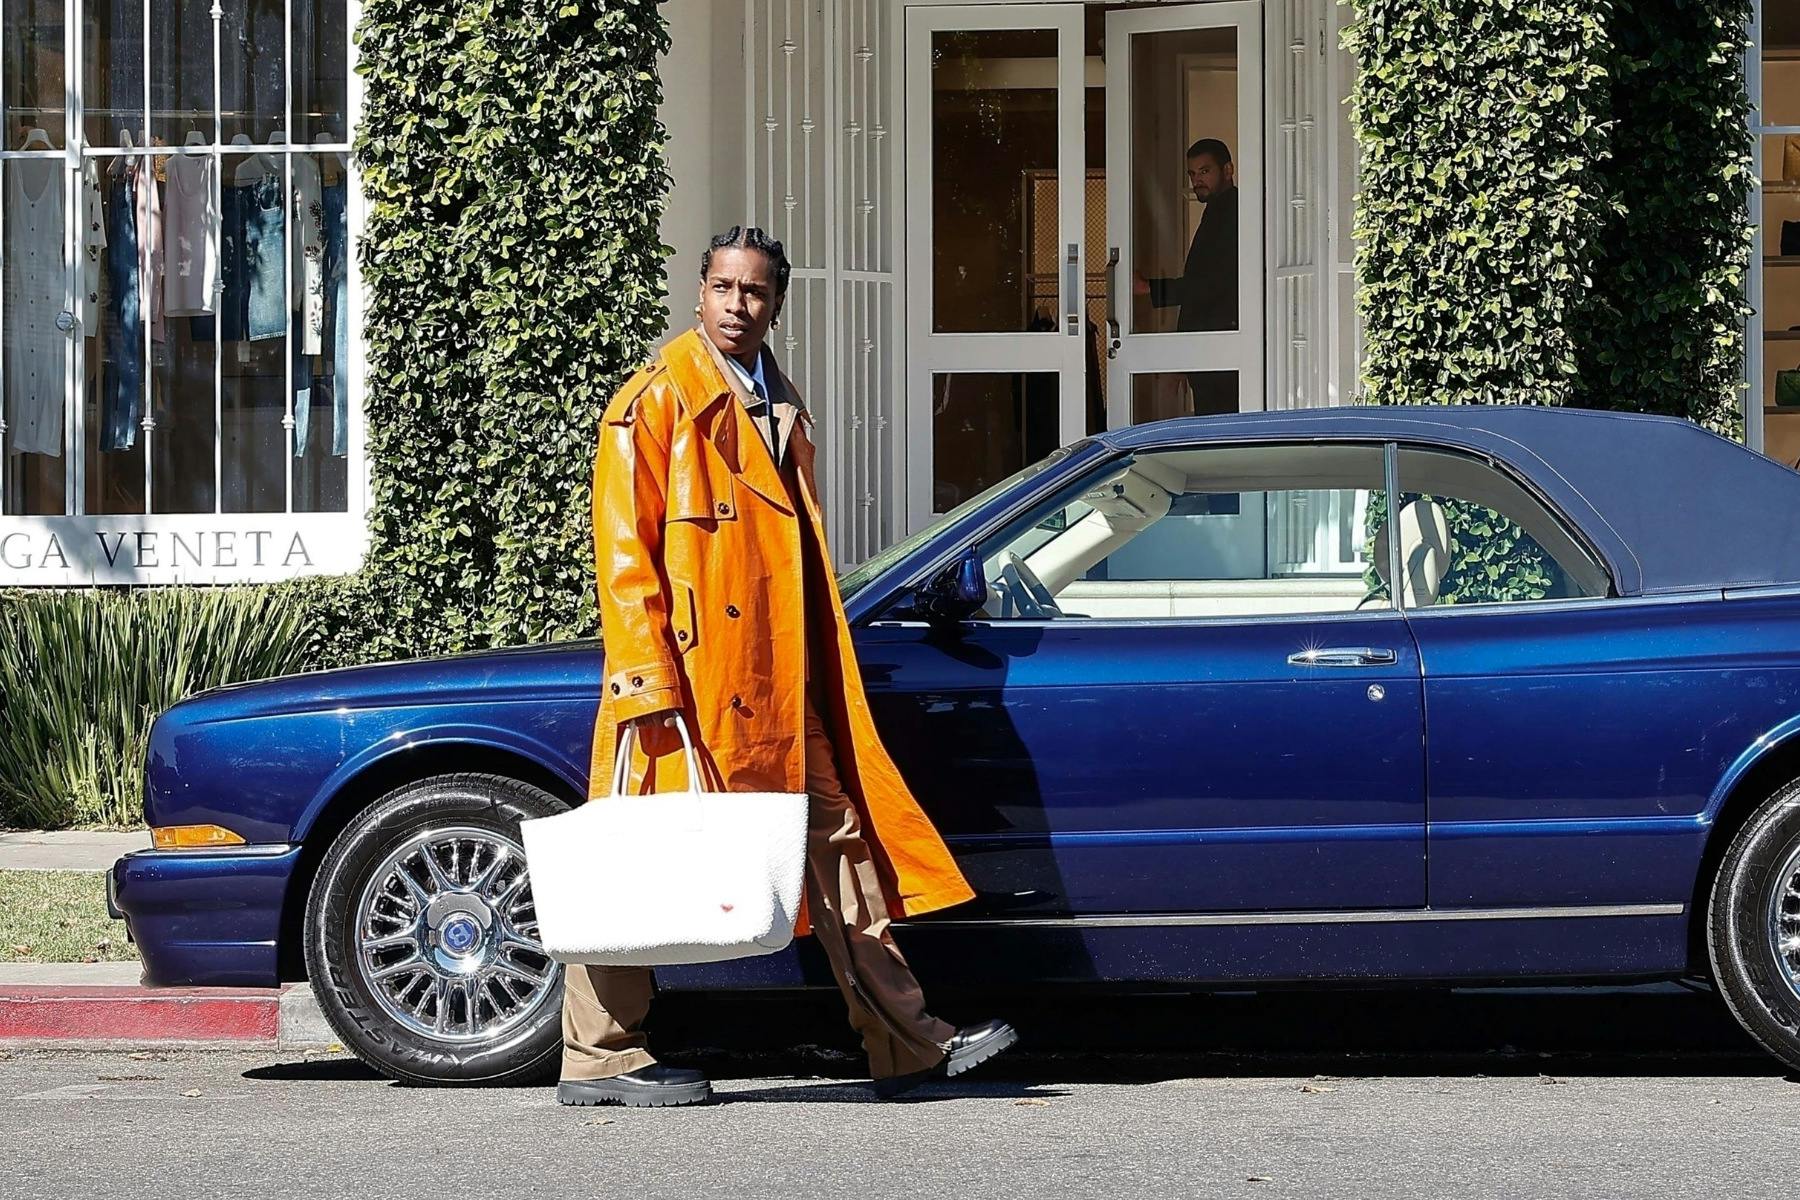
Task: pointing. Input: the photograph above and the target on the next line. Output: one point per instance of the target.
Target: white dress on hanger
(190, 239)
(36, 289)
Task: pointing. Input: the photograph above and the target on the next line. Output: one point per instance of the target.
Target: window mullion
(217, 233)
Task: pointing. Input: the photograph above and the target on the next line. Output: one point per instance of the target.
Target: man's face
(1208, 177)
(738, 301)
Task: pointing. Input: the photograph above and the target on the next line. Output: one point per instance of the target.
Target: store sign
(74, 551)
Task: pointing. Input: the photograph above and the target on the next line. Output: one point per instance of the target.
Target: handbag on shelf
(1790, 159)
(668, 878)
(1787, 389)
(1790, 239)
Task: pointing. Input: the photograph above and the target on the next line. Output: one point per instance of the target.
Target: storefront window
(1775, 358)
(175, 312)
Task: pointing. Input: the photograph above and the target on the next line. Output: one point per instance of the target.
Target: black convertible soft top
(1670, 506)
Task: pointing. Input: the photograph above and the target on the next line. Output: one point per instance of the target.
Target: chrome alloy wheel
(447, 937)
(1784, 921)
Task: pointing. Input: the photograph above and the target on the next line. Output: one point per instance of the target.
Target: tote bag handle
(689, 800)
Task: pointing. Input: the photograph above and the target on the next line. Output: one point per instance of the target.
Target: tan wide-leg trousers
(604, 1007)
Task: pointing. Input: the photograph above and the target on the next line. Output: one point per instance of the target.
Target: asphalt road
(1363, 1095)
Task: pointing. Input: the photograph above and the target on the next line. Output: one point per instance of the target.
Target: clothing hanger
(37, 136)
(194, 138)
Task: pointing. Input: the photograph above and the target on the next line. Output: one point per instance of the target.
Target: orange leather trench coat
(703, 584)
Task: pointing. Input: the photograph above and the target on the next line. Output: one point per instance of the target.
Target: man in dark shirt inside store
(1206, 292)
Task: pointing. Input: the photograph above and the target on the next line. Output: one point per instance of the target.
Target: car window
(1471, 534)
(1194, 533)
(853, 580)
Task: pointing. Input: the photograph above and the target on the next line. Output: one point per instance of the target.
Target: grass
(58, 917)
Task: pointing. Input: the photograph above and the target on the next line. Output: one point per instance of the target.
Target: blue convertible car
(1435, 695)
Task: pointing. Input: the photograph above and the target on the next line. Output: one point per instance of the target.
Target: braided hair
(742, 237)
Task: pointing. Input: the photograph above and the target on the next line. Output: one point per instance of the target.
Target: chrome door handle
(1072, 285)
(1344, 656)
(1112, 302)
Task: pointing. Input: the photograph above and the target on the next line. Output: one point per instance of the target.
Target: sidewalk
(66, 850)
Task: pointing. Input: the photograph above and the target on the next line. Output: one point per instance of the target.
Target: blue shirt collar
(755, 380)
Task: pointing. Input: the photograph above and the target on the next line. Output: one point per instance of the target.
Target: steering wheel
(1025, 590)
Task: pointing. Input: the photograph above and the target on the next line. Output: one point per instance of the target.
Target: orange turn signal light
(193, 837)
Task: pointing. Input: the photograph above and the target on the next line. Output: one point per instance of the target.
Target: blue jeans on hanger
(122, 371)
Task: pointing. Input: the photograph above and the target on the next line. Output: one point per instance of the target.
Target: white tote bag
(669, 878)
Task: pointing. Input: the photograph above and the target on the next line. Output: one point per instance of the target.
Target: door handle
(1072, 284)
(1343, 656)
(1112, 302)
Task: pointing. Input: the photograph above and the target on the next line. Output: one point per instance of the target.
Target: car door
(1211, 715)
(1574, 738)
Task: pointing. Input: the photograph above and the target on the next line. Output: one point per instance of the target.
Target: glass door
(1184, 174)
(996, 200)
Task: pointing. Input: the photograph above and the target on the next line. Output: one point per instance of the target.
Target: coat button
(724, 509)
(731, 610)
(615, 689)
(637, 681)
(681, 635)
(737, 702)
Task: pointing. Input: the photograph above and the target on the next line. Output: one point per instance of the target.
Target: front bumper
(205, 918)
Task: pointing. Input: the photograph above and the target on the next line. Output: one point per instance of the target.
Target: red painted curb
(139, 1014)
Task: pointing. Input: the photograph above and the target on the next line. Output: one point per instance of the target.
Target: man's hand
(652, 732)
(1139, 285)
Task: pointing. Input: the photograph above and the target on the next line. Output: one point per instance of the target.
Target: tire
(1760, 984)
(459, 1005)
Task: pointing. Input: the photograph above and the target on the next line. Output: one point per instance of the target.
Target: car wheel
(1753, 928)
(421, 939)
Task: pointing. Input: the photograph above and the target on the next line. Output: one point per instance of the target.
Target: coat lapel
(721, 416)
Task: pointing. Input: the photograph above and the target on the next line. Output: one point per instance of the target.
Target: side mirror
(957, 592)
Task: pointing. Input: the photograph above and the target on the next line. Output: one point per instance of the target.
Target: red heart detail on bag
(726, 907)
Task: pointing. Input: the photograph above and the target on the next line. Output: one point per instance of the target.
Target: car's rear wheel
(1753, 928)
(421, 939)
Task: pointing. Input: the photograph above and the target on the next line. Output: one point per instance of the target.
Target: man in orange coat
(718, 603)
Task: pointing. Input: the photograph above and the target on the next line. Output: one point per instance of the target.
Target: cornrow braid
(742, 237)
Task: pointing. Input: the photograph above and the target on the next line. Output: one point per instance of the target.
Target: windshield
(858, 577)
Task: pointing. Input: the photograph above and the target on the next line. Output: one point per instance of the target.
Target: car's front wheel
(1753, 930)
(421, 939)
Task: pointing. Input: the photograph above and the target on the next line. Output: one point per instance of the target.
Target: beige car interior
(1043, 571)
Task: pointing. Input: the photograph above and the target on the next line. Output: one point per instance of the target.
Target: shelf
(1782, 335)
(1781, 410)
(1777, 187)
(1781, 260)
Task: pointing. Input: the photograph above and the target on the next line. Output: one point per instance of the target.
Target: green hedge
(513, 273)
(1552, 204)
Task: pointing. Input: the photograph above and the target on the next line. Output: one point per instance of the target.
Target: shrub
(83, 674)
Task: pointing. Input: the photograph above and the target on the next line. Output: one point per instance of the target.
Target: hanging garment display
(339, 234)
(334, 383)
(309, 255)
(190, 255)
(265, 272)
(122, 368)
(150, 246)
(93, 247)
(36, 286)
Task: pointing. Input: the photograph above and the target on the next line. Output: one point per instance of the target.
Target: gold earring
(775, 323)
(696, 312)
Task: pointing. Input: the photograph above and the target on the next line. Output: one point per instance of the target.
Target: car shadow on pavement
(1075, 1037)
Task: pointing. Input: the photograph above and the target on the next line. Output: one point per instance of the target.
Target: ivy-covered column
(1553, 202)
(512, 271)
(1663, 328)
(1481, 123)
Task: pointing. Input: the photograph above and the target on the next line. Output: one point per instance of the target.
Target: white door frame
(927, 353)
(1241, 350)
